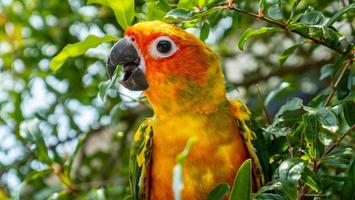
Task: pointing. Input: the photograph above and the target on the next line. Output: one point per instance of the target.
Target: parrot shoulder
(242, 115)
(140, 154)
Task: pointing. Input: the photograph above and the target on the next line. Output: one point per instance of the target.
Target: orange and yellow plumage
(187, 93)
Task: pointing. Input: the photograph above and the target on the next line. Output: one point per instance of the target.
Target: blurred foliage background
(65, 134)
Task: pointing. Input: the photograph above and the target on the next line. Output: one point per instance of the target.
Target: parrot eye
(163, 47)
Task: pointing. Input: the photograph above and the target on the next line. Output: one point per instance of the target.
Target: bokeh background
(85, 139)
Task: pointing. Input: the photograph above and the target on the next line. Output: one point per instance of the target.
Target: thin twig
(284, 27)
(261, 99)
(335, 85)
(337, 142)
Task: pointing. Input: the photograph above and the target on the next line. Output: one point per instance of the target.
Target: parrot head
(168, 63)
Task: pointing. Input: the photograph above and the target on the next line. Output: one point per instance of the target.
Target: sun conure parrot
(183, 81)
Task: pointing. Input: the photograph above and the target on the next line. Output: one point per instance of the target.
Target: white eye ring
(162, 47)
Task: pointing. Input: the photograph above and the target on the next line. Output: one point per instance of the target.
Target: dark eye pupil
(164, 46)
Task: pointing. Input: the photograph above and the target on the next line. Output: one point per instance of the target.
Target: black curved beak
(125, 54)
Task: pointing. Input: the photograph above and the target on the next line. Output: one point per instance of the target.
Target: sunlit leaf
(153, 11)
(163, 5)
(103, 2)
(242, 185)
(123, 9)
(252, 32)
(187, 4)
(79, 48)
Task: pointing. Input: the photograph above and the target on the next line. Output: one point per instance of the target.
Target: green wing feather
(140, 154)
(242, 116)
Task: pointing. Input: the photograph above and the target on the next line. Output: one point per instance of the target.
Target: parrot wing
(140, 154)
(242, 115)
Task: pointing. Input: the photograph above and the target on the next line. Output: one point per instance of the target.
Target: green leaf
(275, 92)
(326, 71)
(205, 30)
(292, 104)
(178, 182)
(349, 112)
(348, 191)
(289, 172)
(287, 52)
(313, 18)
(340, 13)
(106, 85)
(327, 119)
(33, 175)
(79, 48)
(326, 137)
(31, 131)
(275, 12)
(123, 9)
(242, 183)
(345, 85)
(202, 3)
(153, 11)
(219, 192)
(252, 32)
(187, 4)
(310, 131)
(163, 5)
(36, 174)
(293, 10)
(289, 114)
(178, 14)
(102, 2)
(330, 35)
(311, 179)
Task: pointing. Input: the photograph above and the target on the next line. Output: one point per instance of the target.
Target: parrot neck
(168, 99)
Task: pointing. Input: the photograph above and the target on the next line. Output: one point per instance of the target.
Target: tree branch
(335, 85)
(284, 27)
(282, 72)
